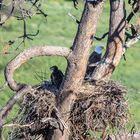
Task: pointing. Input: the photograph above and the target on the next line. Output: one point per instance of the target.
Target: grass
(59, 29)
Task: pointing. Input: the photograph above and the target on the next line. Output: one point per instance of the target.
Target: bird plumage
(56, 76)
(95, 57)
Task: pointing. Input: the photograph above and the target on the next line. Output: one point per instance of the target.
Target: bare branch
(38, 8)
(10, 14)
(75, 3)
(18, 125)
(28, 54)
(74, 18)
(102, 37)
(130, 16)
(131, 42)
(5, 110)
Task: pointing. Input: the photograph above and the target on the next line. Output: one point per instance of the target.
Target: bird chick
(56, 76)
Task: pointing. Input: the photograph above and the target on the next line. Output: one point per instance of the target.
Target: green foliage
(59, 29)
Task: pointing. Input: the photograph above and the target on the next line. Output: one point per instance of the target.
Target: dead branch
(6, 109)
(130, 43)
(10, 14)
(17, 125)
(102, 37)
(27, 55)
(17, 9)
(74, 18)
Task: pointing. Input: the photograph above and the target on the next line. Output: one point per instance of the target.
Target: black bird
(95, 57)
(56, 76)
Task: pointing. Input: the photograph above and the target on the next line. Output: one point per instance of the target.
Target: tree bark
(77, 66)
(115, 43)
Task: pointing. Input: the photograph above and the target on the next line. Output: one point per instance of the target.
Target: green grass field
(59, 29)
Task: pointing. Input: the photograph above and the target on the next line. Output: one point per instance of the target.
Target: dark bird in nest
(94, 58)
(56, 76)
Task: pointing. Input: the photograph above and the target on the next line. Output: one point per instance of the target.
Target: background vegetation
(59, 29)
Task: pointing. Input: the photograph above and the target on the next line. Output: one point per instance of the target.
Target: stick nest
(96, 109)
(37, 110)
(103, 108)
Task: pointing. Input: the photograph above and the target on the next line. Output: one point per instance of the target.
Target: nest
(96, 109)
(36, 109)
(103, 107)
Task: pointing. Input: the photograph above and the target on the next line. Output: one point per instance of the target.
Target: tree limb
(27, 55)
(6, 109)
(102, 37)
(130, 16)
(115, 43)
(131, 42)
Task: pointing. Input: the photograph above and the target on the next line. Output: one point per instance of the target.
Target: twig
(102, 37)
(38, 9)
(130, 16)
(131, 42)
(18, 125)
(74, 18)
(75, 3)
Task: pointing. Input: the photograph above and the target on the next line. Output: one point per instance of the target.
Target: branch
(130, 16)
(74, 18)
(10, 14)
(38, 9)
(102, 37)
(18, 125)
(5, 110)
(131, 42)
(27, 55)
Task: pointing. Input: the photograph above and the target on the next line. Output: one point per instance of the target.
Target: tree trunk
(115, 42)
(77, 66)
(0, 9)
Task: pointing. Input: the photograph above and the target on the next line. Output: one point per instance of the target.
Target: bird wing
(56, 78)
(94, 58)
(53, 79)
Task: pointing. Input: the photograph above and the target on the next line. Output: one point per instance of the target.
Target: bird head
(99, 48)
(53, 68)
